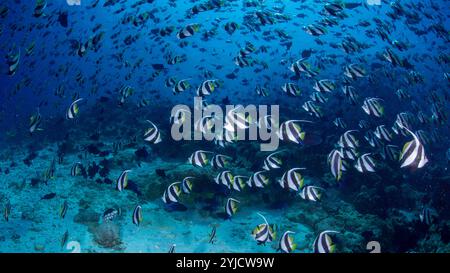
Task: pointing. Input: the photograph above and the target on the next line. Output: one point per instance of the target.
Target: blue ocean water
(362, 91)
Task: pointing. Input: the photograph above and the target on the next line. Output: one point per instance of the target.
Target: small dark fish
(172, 248)
(63, 19)
(48, 196)
(64, 238)
(212, 236)
(161, 173)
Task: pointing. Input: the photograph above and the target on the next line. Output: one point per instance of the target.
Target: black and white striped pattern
(122, 181)
(426, 217)
(324, 86)
(236, 119)
(76, 169)
(413, 153)
(291, 131)
(258, 180)
(291, 89)
(318, 97)
(186, 184)
(372, 106)
(239, 182)
(263, 233)
(323, 243)
(350, 93)
(347, 140)
(198, 158)
(312, 108)
(340, 123)
(152, 135)
(266, 122)
(172, 193)
(292, 179)
(231, 206)
(335, 161)
(272, 162)
(206, 88)
(220, 161)
(181, 86)
(348, 153)
(73, 109)
(286, 244)
(225, 178)
(382, 133)
(311, 193)
(137, 215)
(365, 163)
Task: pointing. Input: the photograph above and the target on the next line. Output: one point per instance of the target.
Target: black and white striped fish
(263, 233)
(272, 161)
(172, 248)
(382, 133)
(172, 193)
(267, 122)
(199, 158)
(365, 163)
(237, 119)
(225, 178)
(181, 86)
(336, 163)
(292, 179)
(204, 125)
(239, 182)
(318, 97)
(311, 193)
(258, 180)
(340, 123)
(323, 243)
(291, 89)
(372, 139)
(349, 153)
(152, 134)
(122, 181)
(231, 206)
(348, 140)
(313, 109)
(324, 85)
(206, 88)
(426, 216)
(402, 94)
(373, 106)
(291, 131)
(413, 153)
(76, 169)
(73, 109)
(403, 121)
(351, 94)
(354, 71)
(220, 161)
(364, 124)
(186, 184)
(137, 215)
(287, 244)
